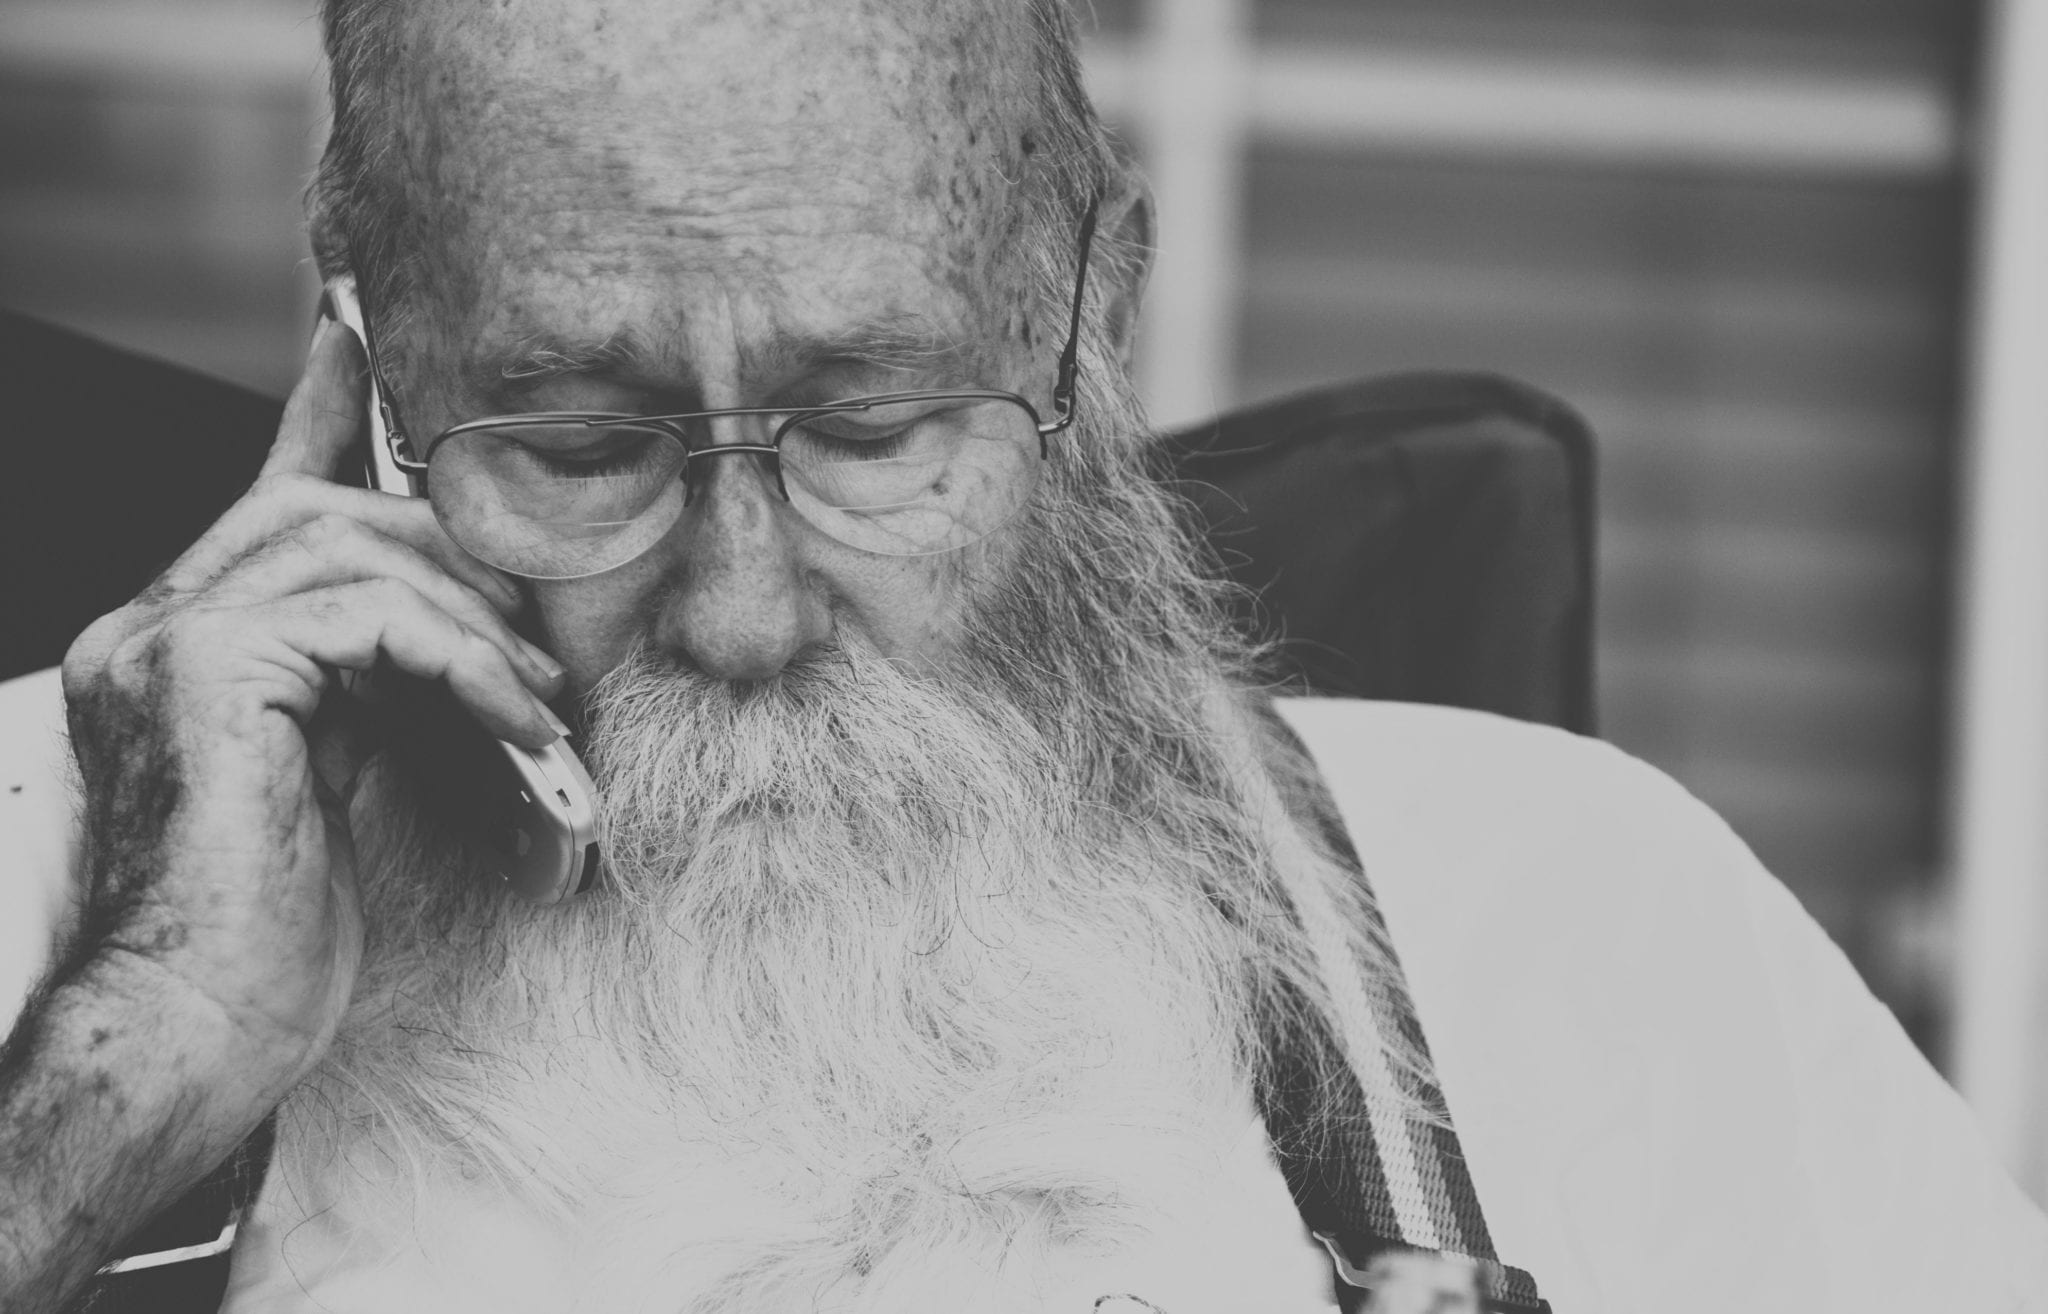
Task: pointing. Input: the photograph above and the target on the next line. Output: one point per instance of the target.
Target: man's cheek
(912, 609)
(590, 625)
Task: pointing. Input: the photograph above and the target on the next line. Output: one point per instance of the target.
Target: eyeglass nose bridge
(771, 460)
(694, 446)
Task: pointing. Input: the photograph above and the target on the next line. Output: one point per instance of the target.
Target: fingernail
(555, 723)
(545, 664)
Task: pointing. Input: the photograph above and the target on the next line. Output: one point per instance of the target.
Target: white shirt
(1673, 1091)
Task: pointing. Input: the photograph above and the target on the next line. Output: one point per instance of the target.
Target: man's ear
(1126, 224)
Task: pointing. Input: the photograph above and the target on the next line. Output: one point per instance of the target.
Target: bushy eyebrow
(897, 342)
(547, 357)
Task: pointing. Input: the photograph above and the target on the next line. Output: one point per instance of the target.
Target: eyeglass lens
(565, 500)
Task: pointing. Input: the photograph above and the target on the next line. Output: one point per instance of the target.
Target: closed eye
(612, 454)
(846, 436)
(592, 466)
(914, 429)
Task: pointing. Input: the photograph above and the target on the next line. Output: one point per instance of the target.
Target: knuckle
(388, 593)
(291, 538)
(328, 535)
(332, 527)
(325, 606)
(135, 672)
(85, 660)
(132, 667)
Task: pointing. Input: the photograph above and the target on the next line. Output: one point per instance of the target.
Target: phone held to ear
(532, 813)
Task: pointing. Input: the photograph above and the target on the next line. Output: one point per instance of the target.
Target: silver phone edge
(560, 770)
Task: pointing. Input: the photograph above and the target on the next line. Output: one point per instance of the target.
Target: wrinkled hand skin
(215, 856)
(222, 930)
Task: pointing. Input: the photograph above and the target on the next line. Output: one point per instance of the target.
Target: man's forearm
(112, 1103)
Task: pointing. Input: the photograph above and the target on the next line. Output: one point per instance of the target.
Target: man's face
(875, 934)
(652, 206)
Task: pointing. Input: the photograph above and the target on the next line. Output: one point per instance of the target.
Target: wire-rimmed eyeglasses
(564, 494)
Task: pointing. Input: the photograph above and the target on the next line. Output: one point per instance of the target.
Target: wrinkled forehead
(755, 142)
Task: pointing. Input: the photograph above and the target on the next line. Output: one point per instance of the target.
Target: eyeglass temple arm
(395, 436)
(1070, 366)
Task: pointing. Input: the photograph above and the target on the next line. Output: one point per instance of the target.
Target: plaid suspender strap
(1386, 1193)
(1374, 1186)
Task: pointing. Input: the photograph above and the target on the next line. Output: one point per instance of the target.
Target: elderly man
(971, 934)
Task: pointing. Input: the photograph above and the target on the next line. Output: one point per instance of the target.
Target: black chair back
(1423, 537)
(114, 465)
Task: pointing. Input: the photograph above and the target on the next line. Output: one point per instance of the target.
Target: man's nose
(740, 608)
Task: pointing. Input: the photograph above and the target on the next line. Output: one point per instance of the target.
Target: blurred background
(1744, 237)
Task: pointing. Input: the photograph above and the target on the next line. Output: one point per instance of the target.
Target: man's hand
(219, 857)
(222, 928)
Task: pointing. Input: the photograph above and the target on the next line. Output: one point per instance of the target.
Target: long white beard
(872, 1000)
(900, 989)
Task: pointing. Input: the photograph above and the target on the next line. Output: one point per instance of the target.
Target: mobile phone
(530, 812)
